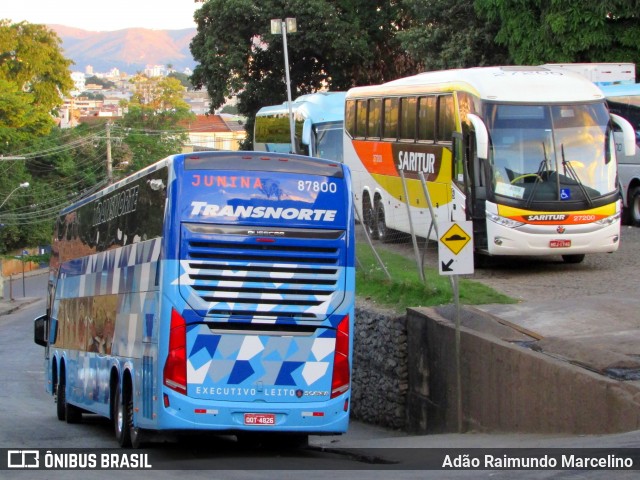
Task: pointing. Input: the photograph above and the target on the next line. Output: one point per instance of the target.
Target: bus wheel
(61, 396)
(120, 420)
(573, 258)
(136, 434)
(634, 207)
(369, 219)
(65, 410)
(72, 413)
(381, 224)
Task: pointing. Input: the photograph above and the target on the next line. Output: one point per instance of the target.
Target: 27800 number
(323, 187)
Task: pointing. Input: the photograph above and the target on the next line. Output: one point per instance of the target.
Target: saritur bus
(318, 124)
(210, 291)
(526, 153)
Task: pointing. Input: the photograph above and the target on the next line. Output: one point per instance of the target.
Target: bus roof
(319, 107)
(502, 84)
(114, 186)
(620, 90)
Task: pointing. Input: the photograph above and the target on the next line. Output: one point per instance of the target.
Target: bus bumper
(180, 412)
(552, 239)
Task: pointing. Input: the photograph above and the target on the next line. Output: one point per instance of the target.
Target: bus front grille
(239, 275)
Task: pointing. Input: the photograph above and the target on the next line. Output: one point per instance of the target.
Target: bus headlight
(504, 221)
(605, 222)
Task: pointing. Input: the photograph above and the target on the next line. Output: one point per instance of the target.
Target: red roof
(205, 123)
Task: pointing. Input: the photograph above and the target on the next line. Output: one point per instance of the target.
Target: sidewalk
(7, 307)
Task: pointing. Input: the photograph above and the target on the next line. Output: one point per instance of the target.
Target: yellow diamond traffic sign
(455, 239)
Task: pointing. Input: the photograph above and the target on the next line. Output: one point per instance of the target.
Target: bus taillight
(175, 368)
(341, 375)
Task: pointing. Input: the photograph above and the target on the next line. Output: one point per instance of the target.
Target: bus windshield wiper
(574, 175)
(544, 167)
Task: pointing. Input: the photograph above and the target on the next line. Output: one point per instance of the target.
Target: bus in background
(318, 120)
(601, 73)
(618, 83)
(210, 291)
(526, 153)
(624, 100)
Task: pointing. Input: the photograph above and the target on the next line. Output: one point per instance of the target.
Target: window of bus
(361, 118)
(350, 116)
(390, 124)
(446, 124)
(408, 112)
(427, 119)
(375, 115)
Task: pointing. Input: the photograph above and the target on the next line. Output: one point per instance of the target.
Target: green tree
(34, 75)
(100, 81)
(61, 167)
(20, 117)
(443, 34)
(183, 77)
(339, 44)
(151, 125)
(550, 31)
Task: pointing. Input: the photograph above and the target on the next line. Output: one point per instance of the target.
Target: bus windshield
(329, 140)
(546, 153)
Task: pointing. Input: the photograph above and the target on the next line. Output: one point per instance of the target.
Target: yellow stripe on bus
(440, 193)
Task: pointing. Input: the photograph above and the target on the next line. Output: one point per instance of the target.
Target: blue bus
(210, 291)
(318, 120)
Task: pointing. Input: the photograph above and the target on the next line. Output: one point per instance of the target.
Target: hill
(130, 50)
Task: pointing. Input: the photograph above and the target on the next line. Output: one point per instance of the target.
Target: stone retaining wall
(380, 372)
(404, 378)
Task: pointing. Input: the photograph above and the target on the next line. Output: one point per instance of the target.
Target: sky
(103, 16)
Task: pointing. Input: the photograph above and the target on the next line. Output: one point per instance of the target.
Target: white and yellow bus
(526, 153)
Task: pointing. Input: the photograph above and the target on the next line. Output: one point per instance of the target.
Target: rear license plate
(259, 419)
(559, 243)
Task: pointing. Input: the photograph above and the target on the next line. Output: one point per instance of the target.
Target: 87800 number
(323, 187)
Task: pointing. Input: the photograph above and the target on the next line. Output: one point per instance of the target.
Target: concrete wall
(508, 387)
(405, 377)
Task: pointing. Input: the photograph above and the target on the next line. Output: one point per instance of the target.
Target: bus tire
(633, 202)
(136, 434)
(120, 420)
(381, 223)
(61, 396)
(73, 414)
(369, 221)
(575, 258)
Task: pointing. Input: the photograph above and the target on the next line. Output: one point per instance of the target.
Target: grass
(406, 289)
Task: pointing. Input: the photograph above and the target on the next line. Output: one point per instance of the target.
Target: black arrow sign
(445, 266)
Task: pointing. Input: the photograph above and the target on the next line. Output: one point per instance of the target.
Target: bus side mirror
(628, 134)
(482, 136)
(40, 330)
(306, 132)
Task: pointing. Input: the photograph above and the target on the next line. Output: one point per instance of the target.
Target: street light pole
(280, 26)
(22, 185)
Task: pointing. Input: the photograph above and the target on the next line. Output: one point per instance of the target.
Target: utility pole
(109, 163)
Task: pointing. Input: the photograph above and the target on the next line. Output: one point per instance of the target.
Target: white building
(79, 83)
(154, 70)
